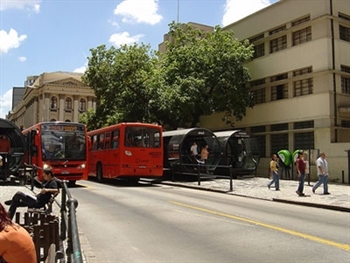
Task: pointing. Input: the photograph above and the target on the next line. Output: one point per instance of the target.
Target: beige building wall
(56, 96)
(327, 108)
(167, 37)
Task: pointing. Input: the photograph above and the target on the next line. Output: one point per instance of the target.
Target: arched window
(53, 120)
(82, 105)
(53, 105)
(67, 120)
(68, 104)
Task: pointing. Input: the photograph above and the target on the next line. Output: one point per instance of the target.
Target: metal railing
(69, 225)
(200, 170)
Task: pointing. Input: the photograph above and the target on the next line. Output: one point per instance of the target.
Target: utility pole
(178, 11)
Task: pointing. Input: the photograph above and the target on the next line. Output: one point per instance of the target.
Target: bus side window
(94, 142)
(101, 141)
(108, 140)
(115, 139)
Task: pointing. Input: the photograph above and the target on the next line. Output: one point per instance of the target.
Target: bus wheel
(99, 173)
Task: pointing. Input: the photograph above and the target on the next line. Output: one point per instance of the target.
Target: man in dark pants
(21, 199)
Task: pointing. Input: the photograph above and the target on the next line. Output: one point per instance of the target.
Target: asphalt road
(159, 223)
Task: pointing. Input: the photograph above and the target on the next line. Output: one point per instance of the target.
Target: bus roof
(185, 132)
(113, 126)
(230, 133)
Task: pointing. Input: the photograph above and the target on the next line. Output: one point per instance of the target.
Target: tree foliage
(200, 73)
(124, 81)
(205, 73)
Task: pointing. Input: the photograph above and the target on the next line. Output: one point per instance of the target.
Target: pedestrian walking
(322, 170)
(274, 173)
(301, 168)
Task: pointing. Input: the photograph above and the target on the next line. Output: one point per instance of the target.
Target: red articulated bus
(60, 146)
(127, 151)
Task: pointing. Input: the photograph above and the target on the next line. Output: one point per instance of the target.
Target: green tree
(125, 81)
(204, 73)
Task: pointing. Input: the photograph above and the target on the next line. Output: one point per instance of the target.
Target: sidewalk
(256, 187)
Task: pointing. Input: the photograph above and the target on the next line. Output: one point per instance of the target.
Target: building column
(35, 111)
(76, 109)
(61, 107)
(46, 107)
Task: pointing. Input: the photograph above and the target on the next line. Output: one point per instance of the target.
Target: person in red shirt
(5, 148)
(16, 245)
(301, 167)
(5, 145)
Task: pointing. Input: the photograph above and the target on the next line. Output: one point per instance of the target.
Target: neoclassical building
(56, 96)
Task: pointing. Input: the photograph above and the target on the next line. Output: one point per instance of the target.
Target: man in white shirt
(322, 171)
(194, 149)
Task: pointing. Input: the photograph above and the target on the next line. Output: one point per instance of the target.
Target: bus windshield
(142, 137)
(60, 142)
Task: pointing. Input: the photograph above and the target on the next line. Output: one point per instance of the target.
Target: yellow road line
(284, 230)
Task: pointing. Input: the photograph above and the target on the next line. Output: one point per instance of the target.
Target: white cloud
(238, 9)
(81, 69)
(31, 5)
(5, 103)
(136, 11)
(119, 39)
(10, 40)
(22, 59)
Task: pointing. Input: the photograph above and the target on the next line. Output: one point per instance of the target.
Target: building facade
(300, 78)
(56, 96)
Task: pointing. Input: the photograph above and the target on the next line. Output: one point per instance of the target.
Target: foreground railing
(69, 226)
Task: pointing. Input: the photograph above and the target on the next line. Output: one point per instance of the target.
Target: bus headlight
(82, 166)
(128, 153)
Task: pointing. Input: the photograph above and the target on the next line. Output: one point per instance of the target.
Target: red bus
(127, 151)
(61, 146)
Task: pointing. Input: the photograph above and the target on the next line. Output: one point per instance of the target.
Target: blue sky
(39, 36)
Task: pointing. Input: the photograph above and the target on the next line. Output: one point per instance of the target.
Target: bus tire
(99, 172)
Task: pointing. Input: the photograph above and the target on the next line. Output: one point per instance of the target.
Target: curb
(322, 206)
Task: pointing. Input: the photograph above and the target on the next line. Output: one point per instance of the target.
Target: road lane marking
(342, 246)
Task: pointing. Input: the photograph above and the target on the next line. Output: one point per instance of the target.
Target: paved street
(339, 199)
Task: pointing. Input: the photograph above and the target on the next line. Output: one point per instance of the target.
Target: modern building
(167, 37)
(56, 96)
(300, 78)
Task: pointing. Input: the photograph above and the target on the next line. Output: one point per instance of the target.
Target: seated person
(16, 245)
(21, 199)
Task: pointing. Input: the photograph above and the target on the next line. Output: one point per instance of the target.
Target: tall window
(278, 44)
(304, 140)
(279, 92)
(279, 142)
(259, 50)
(302, 36)
(303, 87)
(53, 103)
(261, 144)
(259, 96)
(345, 80)
(68, 104)
(344, 33)
(82, 105)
